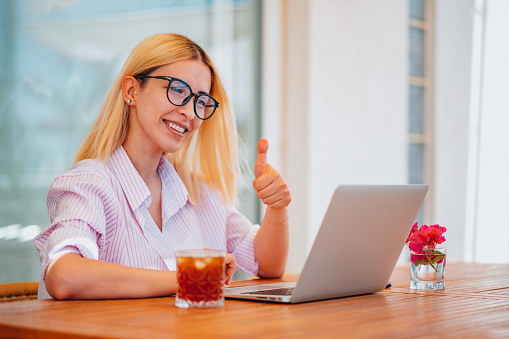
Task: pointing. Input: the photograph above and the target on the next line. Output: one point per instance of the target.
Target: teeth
(175, 127)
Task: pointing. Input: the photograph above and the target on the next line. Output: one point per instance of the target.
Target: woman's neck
(146, 163)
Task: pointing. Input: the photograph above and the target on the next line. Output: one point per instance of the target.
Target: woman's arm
(73, 277)
(272, 240)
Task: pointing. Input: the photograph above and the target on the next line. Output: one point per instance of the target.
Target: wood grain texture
(475, 304)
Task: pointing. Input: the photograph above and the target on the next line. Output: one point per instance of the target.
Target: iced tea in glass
(200, 278)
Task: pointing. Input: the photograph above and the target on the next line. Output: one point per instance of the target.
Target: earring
(136, 93)
(129, 101)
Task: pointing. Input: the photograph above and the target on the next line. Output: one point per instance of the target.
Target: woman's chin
(171, 148)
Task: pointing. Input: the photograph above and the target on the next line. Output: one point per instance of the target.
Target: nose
(187, 110)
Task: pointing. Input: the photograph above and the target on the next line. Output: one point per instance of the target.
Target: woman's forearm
(74, 277)
(272, 243)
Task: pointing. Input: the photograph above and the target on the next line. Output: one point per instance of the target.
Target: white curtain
(487, 228)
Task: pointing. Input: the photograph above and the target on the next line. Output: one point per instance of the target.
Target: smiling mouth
(175, 127)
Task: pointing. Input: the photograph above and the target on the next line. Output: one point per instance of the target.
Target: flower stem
(433, 267)
(428, 259)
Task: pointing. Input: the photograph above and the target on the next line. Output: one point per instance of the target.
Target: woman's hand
(229, 261)
(269, 184)
(272, 240)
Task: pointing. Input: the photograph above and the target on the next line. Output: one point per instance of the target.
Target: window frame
(427, 82)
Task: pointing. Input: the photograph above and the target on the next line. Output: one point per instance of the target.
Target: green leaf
(438, 257)
(421, 262)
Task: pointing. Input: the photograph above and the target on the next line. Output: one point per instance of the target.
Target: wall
(342, 107)
(453, 48)
(471, 153)
(335, 76)
(488, 177)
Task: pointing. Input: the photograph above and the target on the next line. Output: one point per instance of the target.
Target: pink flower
(414, 257)
(422, 243)
(425, 237)
(414, 229)
(435, 236)
(417, 241)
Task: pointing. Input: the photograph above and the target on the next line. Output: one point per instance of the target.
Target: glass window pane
(416, 53)
(57, 63)
(416, 109)
(415, 163)
(416, 9)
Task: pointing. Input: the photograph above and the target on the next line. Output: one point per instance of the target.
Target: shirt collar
(174, 192)
(135, 189)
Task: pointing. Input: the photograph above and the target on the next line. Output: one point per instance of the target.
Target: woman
(157, 173)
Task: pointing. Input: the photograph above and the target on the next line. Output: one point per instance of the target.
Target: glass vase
(427, 269)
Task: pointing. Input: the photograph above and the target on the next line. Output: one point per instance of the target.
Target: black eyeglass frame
(186, 100)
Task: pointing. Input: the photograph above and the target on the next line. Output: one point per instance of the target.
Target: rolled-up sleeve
(76, 209)
(240, 235)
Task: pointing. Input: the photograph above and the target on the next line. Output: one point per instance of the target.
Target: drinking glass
(200, 278)
(427, 269)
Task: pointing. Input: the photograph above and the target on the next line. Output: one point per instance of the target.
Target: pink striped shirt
(101, 212)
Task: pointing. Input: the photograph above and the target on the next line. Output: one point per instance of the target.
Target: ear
(129, 86)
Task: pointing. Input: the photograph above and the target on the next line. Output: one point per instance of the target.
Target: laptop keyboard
(276, 291)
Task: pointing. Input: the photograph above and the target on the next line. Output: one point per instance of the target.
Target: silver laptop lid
(360, 240)
(357, 246)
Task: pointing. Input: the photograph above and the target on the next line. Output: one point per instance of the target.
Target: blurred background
(346, 91)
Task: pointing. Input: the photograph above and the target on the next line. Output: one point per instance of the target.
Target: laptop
(356, 249)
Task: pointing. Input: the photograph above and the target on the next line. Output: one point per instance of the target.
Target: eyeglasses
(179, 93)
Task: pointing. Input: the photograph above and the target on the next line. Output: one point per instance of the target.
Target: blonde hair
(210, 156)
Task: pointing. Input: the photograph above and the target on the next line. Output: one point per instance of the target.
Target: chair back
(18, 291)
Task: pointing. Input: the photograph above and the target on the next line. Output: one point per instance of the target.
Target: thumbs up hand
(269, 184)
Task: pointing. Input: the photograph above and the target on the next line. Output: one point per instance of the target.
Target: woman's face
(158, 124)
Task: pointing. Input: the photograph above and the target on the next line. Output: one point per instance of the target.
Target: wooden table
(475, 304)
